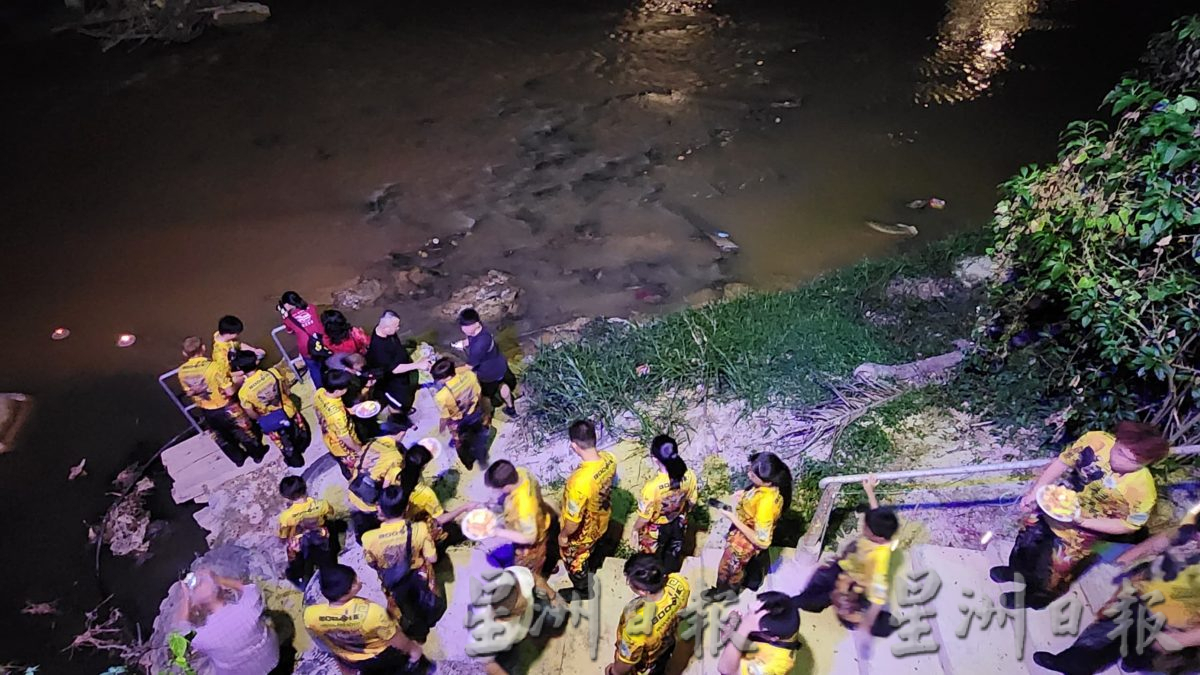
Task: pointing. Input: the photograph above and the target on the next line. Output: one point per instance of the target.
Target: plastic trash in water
(60, 333)
(126, 339)
(723, 241)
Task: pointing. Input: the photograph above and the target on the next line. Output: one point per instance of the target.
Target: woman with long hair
(423, 503)
(340, 336)
(665, 503)
(754, 519)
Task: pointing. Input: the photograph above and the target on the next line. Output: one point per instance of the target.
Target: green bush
(1103, 248)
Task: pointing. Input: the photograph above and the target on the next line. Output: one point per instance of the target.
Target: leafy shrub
(1102, 250)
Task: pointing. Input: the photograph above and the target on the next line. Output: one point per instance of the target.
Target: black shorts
(491, 389)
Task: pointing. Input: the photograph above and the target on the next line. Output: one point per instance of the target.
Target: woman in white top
(231, 632)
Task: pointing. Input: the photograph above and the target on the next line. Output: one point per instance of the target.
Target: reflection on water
(973, 42)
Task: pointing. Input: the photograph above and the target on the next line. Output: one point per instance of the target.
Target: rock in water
(358, 294)
(240, 14)
(898, 229)
(492, 295)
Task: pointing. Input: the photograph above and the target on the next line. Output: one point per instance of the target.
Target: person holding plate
(1116, 494)
(1161, 577)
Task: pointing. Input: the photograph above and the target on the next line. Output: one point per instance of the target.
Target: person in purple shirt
(486, 359)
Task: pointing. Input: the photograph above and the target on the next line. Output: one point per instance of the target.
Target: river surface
(591, 144)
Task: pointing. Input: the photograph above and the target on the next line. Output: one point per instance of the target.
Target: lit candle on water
(126, 340)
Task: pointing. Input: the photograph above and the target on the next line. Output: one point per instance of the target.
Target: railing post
(814, 535)
(286, 356)
(162, 380)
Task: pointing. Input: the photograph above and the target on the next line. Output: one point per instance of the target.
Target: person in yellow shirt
(378, 466)
(765, 641)
(423, 503)
(1116, 495)
(358, 633)
(212, 390)
(857, 582)
(526, 519)
(753, 524)
(586, 505)
(336, 429)
(464, 411)
(1166, 568)
(403, 554)
(265, 398)
(649, 623)
(304, 531)
(227, 341)
(664, 505)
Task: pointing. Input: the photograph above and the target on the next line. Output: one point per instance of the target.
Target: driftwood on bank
(136, 21)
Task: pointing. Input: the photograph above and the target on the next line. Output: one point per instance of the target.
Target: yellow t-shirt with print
(523, 508)
(661, 504)
(459, 396)
(335, 422)
(868, 564)
(1180, 605)
(383, 463)
(587, 496)
(1102, 492)
(303, 516)
(648, 627)
(205, 383)
(768, 659)
(760, 508)
(356, 631)
(384, 546)
(221, 349)
(424, 504)
(263, 392)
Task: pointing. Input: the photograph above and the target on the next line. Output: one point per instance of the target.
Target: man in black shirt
(485, 358)
(393, 367)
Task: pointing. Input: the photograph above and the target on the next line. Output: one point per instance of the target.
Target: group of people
(403, 527)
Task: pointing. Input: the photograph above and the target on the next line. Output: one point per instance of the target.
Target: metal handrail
(831, 486)
(186, 410)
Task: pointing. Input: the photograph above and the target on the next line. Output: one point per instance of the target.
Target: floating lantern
(126, 340)
(60, 333)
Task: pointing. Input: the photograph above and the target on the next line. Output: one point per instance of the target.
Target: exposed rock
(570, 331)
(923, 288)
(974, 270)
(735, 290)
(703, 296)
(411, 281)
(359, 294)
(493, 295)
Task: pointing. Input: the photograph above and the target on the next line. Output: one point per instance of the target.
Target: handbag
(410, 590)
(276, 420)
(363, 486)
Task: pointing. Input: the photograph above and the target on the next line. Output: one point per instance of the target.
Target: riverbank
(850, 417)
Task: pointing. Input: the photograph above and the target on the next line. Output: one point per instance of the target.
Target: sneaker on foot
(1001, 574)
(1050, 662)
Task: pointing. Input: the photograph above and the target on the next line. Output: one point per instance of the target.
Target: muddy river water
(588, 146)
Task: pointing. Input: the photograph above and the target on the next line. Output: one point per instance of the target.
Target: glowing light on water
(60, 333)
(126, 340)
(973, 42)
